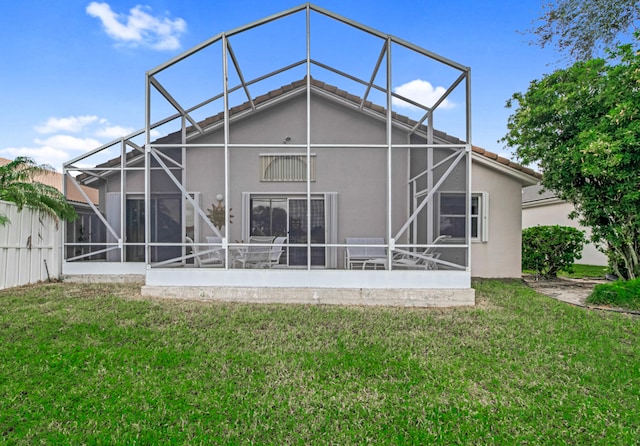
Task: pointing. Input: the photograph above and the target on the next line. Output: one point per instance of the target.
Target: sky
(73, 72)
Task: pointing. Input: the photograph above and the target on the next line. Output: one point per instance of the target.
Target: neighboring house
(86, 228)
(328, 170)
(30, 244)
(79, 200)
(542, 207)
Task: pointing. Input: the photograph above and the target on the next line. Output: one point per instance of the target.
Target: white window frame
(482, 216)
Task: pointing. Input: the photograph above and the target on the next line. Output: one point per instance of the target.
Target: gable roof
(524, 174)
(52, 178)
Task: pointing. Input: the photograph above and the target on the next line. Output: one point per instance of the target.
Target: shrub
(622, 294)
(549, 249)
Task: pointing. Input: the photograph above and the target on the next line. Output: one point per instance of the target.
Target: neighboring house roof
(526, 175)
(52, 178)
(537, 195)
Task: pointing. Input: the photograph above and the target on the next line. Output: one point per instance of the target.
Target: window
(452, 215)
(286, 167)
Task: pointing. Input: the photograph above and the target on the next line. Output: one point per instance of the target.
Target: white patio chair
(254, 257)
(251, 256)
(204, 256)
(426, 259)
(261, 239)
(364, 255)
(276, 251)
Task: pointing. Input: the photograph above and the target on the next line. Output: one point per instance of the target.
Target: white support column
(430, 207)
(147, 174)
(225, 93)
(183, 201)
(308, 137)
(390, 239)
(123, 199)
(469, 170)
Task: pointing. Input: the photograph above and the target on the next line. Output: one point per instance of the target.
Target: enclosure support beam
(373, 75)
(390, 239)
(239, 71)
(147, 174)
(225, 94)
(308, 51)
(175, 103)
(461, 155)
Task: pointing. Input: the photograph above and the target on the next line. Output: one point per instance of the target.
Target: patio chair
(204, 256)
(261, 239)
(276, 251)
(217, 248)
(426, 259)
(364, 255)
(254, 257)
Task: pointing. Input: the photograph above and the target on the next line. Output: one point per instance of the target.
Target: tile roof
(506, 162)
(52, 178)
(175, 137)
(531, 194)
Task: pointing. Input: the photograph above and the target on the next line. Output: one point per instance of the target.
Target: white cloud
(421, 92)
(73, 124)
(139, 27)
(42, 155)
(69, 137)
(67, 142)
(113, 131)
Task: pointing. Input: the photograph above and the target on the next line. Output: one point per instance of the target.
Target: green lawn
(581, 272)
(585, 272)
(96, 364)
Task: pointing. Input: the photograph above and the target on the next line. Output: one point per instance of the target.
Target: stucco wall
(358, 175)
(557, 213)
(500, 255)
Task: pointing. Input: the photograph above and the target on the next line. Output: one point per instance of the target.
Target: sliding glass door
(287, 216)
(165, 227)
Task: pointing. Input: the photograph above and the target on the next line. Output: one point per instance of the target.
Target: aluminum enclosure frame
(154, 159)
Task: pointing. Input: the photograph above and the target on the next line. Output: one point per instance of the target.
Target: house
(542, 207)
(30, 245)
(55, 179)
(370, 206)
(86, 227)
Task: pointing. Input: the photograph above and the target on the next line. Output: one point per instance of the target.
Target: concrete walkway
(572, 291)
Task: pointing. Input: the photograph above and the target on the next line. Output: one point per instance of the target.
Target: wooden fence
(30, 247)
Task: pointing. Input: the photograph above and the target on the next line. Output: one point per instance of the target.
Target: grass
(618, 294)
(97, 364)
(585, 272)
(580, 272)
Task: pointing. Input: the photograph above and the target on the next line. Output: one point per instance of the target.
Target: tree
(18, 186)
(586, 27)
(581, 125)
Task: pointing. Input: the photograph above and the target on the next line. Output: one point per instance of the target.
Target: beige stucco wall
(557, 213)
(500, 255)
(358, 175)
